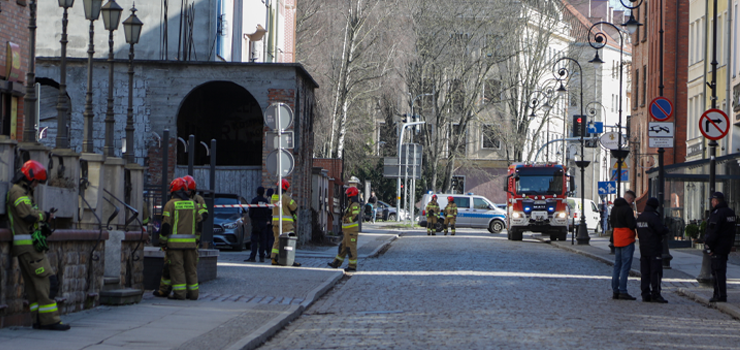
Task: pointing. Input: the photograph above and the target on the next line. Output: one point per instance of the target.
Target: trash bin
(286, 249)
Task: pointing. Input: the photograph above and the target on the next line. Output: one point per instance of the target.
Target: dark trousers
(268, 241)
(651, 269)
(719, 271)
(259, 242)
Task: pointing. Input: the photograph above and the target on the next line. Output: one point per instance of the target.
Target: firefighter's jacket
(181, 216)
(288, 207)
(451, 211)
(350, 220)
(432, 208)
(24, 217)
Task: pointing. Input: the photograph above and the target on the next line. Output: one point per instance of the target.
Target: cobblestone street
(480, 291)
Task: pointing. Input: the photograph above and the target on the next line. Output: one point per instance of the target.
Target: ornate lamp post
(62, 140)
(92, 12)
(111, 18)
(562, 74)
(132, 28)
(29, 101)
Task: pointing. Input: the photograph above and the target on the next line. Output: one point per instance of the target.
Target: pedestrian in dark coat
(260, 218)
(719, 238)
(651, 231)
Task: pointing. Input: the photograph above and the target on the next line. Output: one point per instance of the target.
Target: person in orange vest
(29, 245)
(624, 225)
(180, 222)
(289, 209)
(351, 229)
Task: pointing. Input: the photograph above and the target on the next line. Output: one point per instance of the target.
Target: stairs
(114, 294)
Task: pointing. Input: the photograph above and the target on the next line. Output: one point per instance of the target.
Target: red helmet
(434, 197)
(190, 182)
(34, 171)
(286, 184)
(451, 199)
(352, 191)
(178, 184)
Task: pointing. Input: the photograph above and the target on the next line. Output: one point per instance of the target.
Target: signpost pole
(279, 170)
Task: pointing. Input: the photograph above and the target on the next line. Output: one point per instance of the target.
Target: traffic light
(579, 125)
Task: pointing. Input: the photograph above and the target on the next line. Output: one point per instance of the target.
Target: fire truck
(537, 200)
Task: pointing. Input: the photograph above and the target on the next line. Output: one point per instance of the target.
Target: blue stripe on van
(475, 215)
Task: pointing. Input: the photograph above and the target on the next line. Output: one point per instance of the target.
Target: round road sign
(286, 166)
(661, 109)
(714, 124)
(278, 109)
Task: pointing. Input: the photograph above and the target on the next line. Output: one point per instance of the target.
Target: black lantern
(92, 9)
(132, 27)
(111, 15)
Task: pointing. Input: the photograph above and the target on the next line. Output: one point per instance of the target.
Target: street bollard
(705, 275)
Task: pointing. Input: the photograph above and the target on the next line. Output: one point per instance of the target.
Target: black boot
(55, 327)
(335, 264)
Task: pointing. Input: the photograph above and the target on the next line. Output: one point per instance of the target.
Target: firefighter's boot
(335, 263)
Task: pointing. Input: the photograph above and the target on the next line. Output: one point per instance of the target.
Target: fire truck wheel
(515, 235)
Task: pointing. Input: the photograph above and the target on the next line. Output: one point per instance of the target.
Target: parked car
(472, 211)
(229, 229)
(388, 212)
(592, 213)
(501, 206)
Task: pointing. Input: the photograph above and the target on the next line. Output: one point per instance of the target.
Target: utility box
(286, 252)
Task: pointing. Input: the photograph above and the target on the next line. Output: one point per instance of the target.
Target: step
(111, 283)
(121, 296)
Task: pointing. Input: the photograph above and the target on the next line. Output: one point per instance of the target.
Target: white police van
(472, 211)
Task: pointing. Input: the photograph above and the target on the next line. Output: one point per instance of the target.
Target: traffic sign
(271, 116)
(658, 129)
(625, 175)
(660, 142)
(272, 142)
(607, 187)
(286, 166)
(595, 128)
(714, 124)
(661, 109)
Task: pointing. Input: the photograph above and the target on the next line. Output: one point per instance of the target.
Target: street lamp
(111, 18)
(561, 74)
(632, 24)
(62, 140)
(132, 29)
(29, 101)
(92, 12)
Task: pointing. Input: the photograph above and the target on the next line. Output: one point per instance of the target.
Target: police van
(472, 211)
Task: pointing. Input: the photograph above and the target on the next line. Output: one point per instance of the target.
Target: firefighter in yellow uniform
(450, 215)
(432, 215)
(165, 283)
(29, 245)
(180, 222)
(289, 208)
(351, 229)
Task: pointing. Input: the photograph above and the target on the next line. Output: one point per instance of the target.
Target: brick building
(645, 80)
(14, 38)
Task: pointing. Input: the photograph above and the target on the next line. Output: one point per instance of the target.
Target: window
(490, 140)
(480, 203)
(637, 87)
(645, 22)
(636, 13)
(462, 202)
(644, 85)
(692, 42)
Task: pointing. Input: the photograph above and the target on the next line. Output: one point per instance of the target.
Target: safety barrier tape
(234, 206)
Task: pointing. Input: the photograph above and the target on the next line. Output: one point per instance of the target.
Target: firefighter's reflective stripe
(276, 251)
(22, 240)
(349, 225)
(166, 213)
(178, 286)
(192, 286)
(181, 239)
(353, 262)
(34, 307)
(23, 199)
(165, 282)
(43, 309)
(285, 217)
(450, 216)
(340, 258)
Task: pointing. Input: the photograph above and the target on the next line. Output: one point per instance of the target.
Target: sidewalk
(685, 267)
(243, 307)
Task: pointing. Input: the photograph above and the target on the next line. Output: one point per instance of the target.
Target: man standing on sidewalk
(720, 237)
(623, 222)
(651, 231)
(260, 218)
(374, 202)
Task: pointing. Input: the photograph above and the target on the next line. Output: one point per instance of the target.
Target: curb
(255, 339)
(380, 248)
(726, 308)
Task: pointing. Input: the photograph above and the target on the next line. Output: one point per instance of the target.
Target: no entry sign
(661, 109)
(714, 124)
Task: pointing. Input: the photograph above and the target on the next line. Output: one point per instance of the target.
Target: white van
(472, 211)
(592, 213)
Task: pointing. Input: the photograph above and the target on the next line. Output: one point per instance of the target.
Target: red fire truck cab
(537, 200)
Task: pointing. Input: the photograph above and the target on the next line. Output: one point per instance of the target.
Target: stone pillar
(62, 187)
(7, 161)
(136, 194)
(114, 183)
(94, 191)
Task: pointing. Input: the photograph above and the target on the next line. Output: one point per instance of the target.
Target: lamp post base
(582, 237)
(705, 276)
